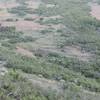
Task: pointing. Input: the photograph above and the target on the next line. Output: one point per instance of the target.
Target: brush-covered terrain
(49, 49)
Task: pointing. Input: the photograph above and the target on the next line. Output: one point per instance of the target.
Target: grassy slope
(81, 78)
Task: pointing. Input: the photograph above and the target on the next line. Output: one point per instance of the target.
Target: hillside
(49, 49)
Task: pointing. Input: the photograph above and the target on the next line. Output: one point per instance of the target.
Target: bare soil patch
(95, 10)
(68, 51)
(33, 16)
(24, 52)
(77, 52)
(33, 3)
(28, 25)
(22, 25)
(3, 70)
(4, 5)
(52, 17)
(50, 5)
(4, 13)
(58, 26)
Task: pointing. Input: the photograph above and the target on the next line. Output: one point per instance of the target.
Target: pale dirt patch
(95, 10)
(4, 14)
(28, 25)
(50, 5)
(5, 23)
(23, 25)
(77, 52)
(68, 51)
(3, 70)
(45, 42)
(4, 5)
(44, 46)
(58, 26)
(33, 16)
(52, 17)
(55, 17)
(24, 52)
(33, 3)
